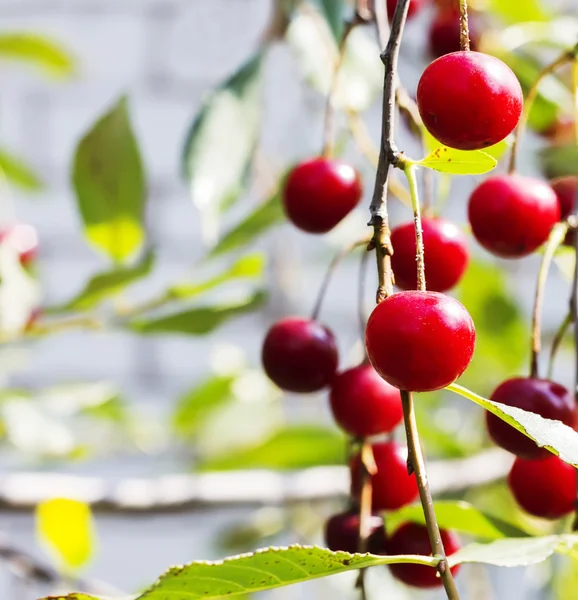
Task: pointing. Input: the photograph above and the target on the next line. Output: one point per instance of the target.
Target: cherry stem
(410, 172)
(416, 464)
(331, 269)
(464, 26)
(529, 101)
(555, 239)
(361, 297)
(557, 341)
(368, 468)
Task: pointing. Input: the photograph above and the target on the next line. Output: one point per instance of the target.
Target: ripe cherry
(566, 190)
(511, 216)
(319, 193)
(444, 33)
(24, 239)
(363, 404)
(481, 101)
(342, 533)
(392, 486)
(412, 538)
(420, 341)
(300, 355)
(446, 255)
(541, 396)
(414, 7)
(544, 488)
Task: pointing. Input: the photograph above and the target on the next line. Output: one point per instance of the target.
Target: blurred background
(99, 385)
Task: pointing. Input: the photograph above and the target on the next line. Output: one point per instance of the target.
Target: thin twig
(410, 172)
(416, 460)
(464, 26)
(557, 341)
(368, 468)
(361, 295)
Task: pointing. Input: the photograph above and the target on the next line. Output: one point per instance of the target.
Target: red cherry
(420, 341)
(300, 355)
(446, 255)
(511, 216)
(363, 404)
(566, 189)
(481, 101)
(342, 533)
(414, 7)
(412, 538)
(541, 396)
(391, 484)
(444, 33)
(544, 488)
(24, 239)
(319, 193)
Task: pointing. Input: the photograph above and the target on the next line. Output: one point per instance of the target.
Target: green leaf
(106, 284)
(459, 162)
(220, 143)
(37, 50)
(110, 187)
(260, 220)
(515, 12)
(459, 516)
(198, 321)
(565, 261)
(559, 161)
(333, 12)
(295, 447)
(497, 150)
(552, 435)
(19, 173)
(65, 527)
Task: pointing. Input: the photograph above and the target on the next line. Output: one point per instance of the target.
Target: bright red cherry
(24, 239)
(392, 486)
(414, 7)
(541, 396)
(420, 341)
(544, 488)
(342, 533)
(446, 255)
(319, 193)
(363, 404)
(469, 100)
(444, 33)
(300, 355)
(412, 538)
(511, 216)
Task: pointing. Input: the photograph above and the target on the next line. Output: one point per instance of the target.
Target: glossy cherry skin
(342, 533)
(543, 488)
(24, 239)
(414, 7)
(446, 255)
(363, 404)
(420, 341)
(391, 484)
(412, 538)
(444, 33)
(300, 355)
(319, 193)
(511, 216)
(541, 396)
(469, 100)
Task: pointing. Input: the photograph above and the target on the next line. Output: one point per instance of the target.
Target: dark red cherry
(319, 193)
(412, 538)
(414, 7)
(420, 341)
(511, 216)
(444, 33)
(363, 404)
(24, 239)
(391, 484)
(481, 102)
(541, 396)
(446, 255)
(342, 533)
(300, 355)
(544, 488)
(566, 190)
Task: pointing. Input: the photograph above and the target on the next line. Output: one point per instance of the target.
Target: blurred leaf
(37, 50)
(197, 404)
(107, 284)
(247, 267)
(110, 187)
(497, 151)
(333, 12)
(262, 218)
(19, 173)
(198, 321)
(295, 447)
(459, 516)
(458, 162)
(222, 139)
(565, 261)
(552, 435)
(559, 33)
(261, 526)
(65, 527)
(558, 161)
(566, 580)
(515, 12)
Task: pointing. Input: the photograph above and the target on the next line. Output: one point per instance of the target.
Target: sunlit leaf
(515, 12)
(552, 435)
(18, 172)
(110, 187)
(36, 50)
(459, 162)
(497, 150)
(65, 527)
(561, 33)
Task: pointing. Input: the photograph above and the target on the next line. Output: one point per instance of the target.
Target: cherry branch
(464, 26)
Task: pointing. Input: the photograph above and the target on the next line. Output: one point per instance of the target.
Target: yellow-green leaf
(18, 172)
(37, 50)
(459, 162)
